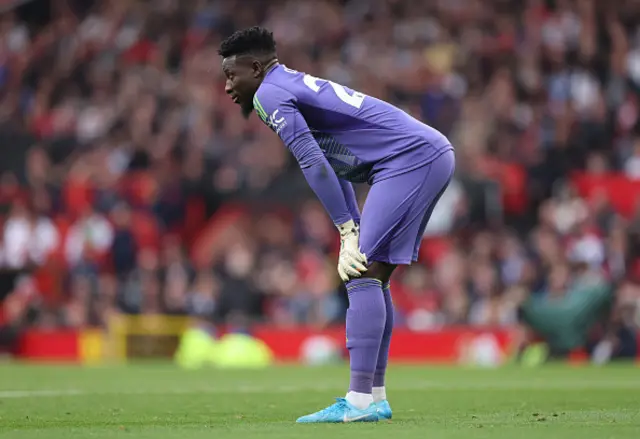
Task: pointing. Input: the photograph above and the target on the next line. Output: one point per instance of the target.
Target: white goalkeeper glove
(352, 262)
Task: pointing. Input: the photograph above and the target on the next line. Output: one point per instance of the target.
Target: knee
(380, 270)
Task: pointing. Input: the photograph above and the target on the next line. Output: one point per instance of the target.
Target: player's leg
(382, 271)
(366, 315)
(365, 324)
(368, 325)
(379, 390)
(384, 218)
(391, 219)
(415, 196)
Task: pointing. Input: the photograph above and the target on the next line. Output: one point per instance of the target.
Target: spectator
(176, 277)
(239, 290)
(123, 247)
(632, 164)
(29, 239)
(202, 298)
(88, 239)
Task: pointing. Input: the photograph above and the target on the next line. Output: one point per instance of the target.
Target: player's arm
(276, 107)
(350, 197)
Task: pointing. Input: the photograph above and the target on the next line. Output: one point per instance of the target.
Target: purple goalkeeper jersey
(363, 139)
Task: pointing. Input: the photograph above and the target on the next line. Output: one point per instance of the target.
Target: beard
(246, 108)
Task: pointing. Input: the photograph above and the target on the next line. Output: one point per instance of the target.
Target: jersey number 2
(355, 100)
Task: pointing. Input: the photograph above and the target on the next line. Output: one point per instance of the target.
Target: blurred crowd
(130, 145)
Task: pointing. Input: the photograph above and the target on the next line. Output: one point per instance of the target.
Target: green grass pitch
(163, 402)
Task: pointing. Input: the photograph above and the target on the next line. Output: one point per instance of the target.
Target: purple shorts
(398, 209)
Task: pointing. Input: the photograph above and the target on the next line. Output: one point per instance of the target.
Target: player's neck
(271, 65)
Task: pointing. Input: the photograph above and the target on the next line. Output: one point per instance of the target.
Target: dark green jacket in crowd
(565, 321)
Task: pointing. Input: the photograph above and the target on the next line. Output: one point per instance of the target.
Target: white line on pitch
(250, 389)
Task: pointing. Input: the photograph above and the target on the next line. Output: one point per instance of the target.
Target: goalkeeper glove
(352, 262)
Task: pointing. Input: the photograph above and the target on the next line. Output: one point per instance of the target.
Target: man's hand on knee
(351, 262)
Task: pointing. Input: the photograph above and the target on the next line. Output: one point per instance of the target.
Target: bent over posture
(340, 136)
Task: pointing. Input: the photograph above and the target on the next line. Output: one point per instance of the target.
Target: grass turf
(160, 401)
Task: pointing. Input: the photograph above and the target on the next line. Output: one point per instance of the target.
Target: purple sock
(365, 324)
(383, 354)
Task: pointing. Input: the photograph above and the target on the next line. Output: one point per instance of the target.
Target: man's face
(243, 79)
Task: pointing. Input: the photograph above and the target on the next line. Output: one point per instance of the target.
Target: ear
(257, 68)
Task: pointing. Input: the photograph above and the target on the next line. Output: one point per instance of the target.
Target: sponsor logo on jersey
(277, 123)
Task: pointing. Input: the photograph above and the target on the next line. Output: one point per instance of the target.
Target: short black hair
(255, 40)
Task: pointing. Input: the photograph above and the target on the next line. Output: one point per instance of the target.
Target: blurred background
(135, 201)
